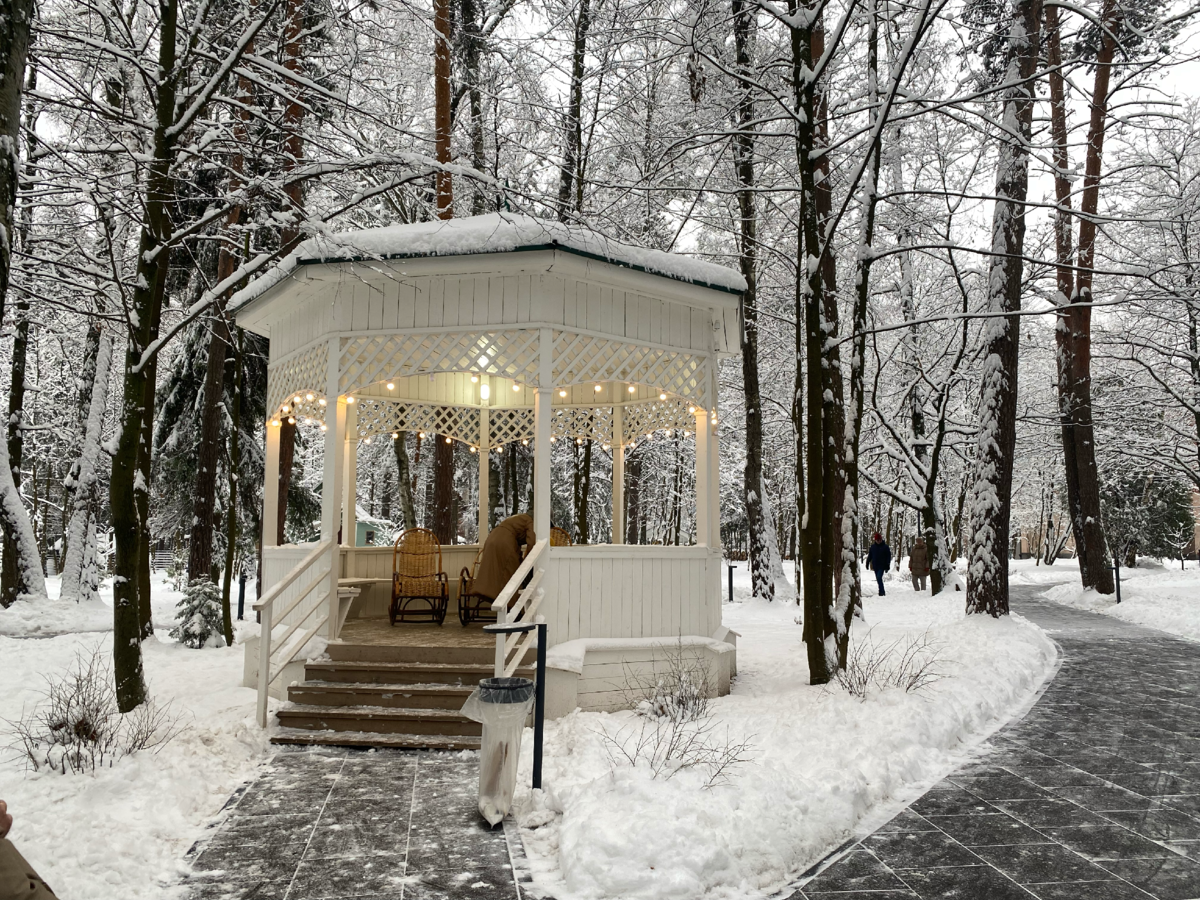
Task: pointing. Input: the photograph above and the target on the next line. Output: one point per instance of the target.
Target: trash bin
(502, 705)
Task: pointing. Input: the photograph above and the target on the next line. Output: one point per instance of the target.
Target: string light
(285, 408)
(553, 439)
(605, 446)
(474, 379)
(472, 449)
(516, 387)
(632, 445)
(349, 399)
(447, 440)
(597, 389)
(692, 410)
(296, 399)
(274, 423)
(308, 397)
(632, 389)
(324, 427)
(525, 443)
(395, 435)
(390, 386)
(322, 401)
(366, 440)
(421, 435)
(562, 393)
(579, 441)
(291, 420)
(662, 396)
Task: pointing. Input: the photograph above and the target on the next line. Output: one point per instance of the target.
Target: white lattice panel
(379, 417)
(367, 360)
(581, 358)
(302, 374)
(643, 418)
(508, 425)
(580, 422)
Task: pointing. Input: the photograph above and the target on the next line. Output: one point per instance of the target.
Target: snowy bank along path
(821, 764)
(1094, 795)
(122, 833)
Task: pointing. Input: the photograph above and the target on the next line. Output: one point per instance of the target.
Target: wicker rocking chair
(560, 537)
(420, 589)
(473, 607)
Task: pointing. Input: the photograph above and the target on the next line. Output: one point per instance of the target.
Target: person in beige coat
(502, 554)
(918, 564)
(18, 881)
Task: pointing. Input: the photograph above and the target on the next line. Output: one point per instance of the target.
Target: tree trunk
(763, 554)
(444, 524)
(582, 492)
(443, 122)
(987, 580)
(144, 463)
(568, 190)
(208, 452)
(231, 519)
(1089, 526)
(84, 476)
(287, 460)
(404, 481)
(633, 498)
(10, 574)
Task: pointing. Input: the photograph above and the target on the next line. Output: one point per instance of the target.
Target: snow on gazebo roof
(494, 233)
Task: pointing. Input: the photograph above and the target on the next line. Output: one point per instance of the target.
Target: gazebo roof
(494, 233)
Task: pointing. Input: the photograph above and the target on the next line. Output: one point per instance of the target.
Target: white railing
(273, 659)
(510, 648)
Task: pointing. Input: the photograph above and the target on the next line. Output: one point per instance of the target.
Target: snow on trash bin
(501, 705)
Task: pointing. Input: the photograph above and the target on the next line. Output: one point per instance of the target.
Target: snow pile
(122, 833)
(821, 765)
(493, 233)
(1154, 595)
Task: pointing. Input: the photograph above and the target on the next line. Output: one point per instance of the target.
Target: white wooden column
(714, 483)
(618, 476)
(350, 487)
(541, 463)
(485, 473)
(270, 528)
(331, 483)
(703, 486)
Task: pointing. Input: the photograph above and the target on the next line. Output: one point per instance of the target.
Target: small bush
(77, 726)
(675, 728)
(200, 617)
(909, 664)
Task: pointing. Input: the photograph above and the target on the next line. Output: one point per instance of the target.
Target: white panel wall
(631, 591)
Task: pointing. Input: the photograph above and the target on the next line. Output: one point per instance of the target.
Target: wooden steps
(376, 695)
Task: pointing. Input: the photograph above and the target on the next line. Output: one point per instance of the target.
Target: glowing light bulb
(395, 435)
(286, 408)
(324, 427)
(525, 443)
(291, 420)
(421, 435)
(662, 396)
(296, 399)
(350, 400)
(485, 391)
(692, 410)
(597, 389)
(472, 449)
(390, 386)
(474, 379)
(553, 440)
(274, 423)
(516, 387)
(579, 441)
(366, 440)
(632, 445)
(562, 393)
(308, 397)
(632, 389)
(447, 440)
(605, 446)
(321, 401)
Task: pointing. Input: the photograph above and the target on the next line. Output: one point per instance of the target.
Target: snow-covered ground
(821, 766)
(122, 833)
(1159, 595)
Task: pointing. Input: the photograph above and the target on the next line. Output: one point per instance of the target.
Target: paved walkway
(338, 823)
(1094, 795)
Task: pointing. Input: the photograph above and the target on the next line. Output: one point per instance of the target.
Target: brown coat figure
(502, 554)
(18, 881)
(918, 564)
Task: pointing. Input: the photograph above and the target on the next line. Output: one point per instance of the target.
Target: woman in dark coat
(502, 554)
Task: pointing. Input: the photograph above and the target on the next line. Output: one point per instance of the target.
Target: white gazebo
(490, 330)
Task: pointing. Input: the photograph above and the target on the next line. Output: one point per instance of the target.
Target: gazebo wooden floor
(377, 632)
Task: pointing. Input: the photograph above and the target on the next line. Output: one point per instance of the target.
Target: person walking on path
(502, 554)
(918, 564)
(879, 560)
(18, 881)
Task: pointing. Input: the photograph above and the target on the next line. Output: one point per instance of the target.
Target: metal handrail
(265, 606)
